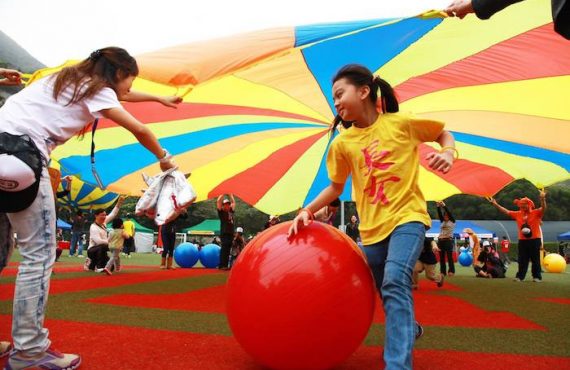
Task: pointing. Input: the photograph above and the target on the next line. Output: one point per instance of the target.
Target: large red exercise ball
(300, 303)
(186, 255)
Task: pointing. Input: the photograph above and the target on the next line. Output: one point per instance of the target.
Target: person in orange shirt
(530, 234)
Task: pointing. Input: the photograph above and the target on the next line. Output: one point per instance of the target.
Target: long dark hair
(104, 68)
(358, 75)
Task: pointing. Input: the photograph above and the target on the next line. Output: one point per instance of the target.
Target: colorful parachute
(257, 106)
(83, 195)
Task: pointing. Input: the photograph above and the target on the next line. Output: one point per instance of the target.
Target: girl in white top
(50, 112)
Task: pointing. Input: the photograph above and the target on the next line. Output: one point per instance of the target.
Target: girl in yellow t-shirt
(380, 149)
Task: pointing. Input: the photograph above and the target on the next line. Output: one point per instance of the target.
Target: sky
(57, 30)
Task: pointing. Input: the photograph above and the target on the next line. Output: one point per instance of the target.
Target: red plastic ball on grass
(303, 303)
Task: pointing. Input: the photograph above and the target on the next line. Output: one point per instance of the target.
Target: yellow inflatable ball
(554, 263)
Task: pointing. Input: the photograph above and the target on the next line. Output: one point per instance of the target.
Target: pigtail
(387, 96)
(337, 120)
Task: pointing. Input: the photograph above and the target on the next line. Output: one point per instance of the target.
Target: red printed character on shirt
(373, 157)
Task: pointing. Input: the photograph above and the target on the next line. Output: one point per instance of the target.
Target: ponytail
(336, 121)
(387, 95)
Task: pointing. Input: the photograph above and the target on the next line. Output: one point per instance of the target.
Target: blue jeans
(392, 262)
(35, 227)
(76, 239)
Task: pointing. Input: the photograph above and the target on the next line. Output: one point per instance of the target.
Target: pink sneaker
(50, 359)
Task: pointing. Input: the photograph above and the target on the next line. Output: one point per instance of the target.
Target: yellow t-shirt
(383, 160)
(129, 227)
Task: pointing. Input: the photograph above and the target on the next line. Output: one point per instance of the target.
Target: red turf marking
(529, 56)
(61, 268)
(96, 281)
(271, 171)
(429, 307)
(555, 300)
(153, 112)
(440, 310)
(470, 177)
(211, 299)
(369, 357)
(125, 347)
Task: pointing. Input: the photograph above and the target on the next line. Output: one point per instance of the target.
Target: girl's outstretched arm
(137, 96)
(330, 193)
(141, 132)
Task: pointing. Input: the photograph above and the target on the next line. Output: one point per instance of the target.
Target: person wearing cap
(226, 209)
(488, 263)
(530, 234)
(272, 221)
(237, 245)
(33, 122)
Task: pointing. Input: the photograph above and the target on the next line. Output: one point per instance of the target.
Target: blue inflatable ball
(186, 255)
(465, 259)
(210, 255)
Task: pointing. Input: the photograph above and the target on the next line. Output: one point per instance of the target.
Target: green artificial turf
(487, 294)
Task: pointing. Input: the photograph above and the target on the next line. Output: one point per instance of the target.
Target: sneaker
(100, 270)
(79, 256)
(450, 273)
(537, 280)
(5, 348)
(440, 282)
(419, 330)
(86, 264)
(50, 359)
(517, 280)
(107, 271)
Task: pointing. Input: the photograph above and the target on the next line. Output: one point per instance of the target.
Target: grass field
(144, 317)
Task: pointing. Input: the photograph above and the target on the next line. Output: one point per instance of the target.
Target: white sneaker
(79, 256)
(100, 270)
(535, 280)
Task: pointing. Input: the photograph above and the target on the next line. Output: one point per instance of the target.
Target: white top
(97, 234)
(446, 231)
(49, 123)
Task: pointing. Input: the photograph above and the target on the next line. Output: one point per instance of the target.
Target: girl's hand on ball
(302, 216)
